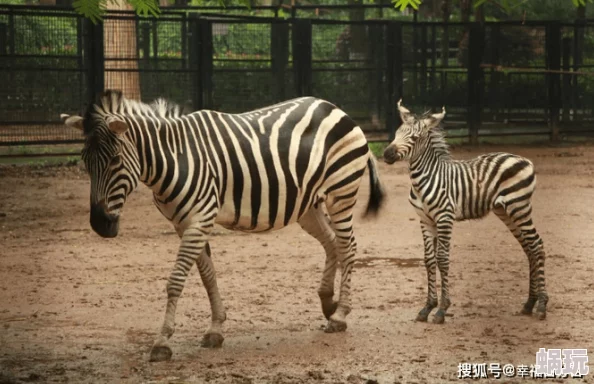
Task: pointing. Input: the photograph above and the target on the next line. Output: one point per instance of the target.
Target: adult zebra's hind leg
(518, 218)
(430, 245)
(213, 338)
(317, 225)
(340, 211)
(193, 241)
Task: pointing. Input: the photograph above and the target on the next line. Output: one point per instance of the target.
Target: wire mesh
(242, 63)
(41, 75)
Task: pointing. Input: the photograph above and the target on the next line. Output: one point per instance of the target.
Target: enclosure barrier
(495, 78)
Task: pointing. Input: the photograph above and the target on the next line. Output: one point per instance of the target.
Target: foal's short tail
(376, 192)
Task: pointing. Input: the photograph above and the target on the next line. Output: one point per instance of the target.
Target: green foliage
(95, 9)
(403, 4)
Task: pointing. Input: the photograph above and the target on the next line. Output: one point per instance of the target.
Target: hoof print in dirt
(212, 340)
(160, 353)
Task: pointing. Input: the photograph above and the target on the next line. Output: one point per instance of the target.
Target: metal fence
(494, 78)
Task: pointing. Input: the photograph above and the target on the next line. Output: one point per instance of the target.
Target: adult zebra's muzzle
(103, 223)
(391, 155)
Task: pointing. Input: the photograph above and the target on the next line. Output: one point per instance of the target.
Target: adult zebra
(256, 171)
(444, 191)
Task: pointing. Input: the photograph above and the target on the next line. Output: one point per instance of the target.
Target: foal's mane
(437, 137)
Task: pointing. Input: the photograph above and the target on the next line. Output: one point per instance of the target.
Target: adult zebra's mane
(113, 102)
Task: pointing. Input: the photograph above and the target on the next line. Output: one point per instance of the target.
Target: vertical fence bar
(495, 81)
(423, 69)
(415, 60)
(80, 61)
(11, 32)
(433, 61)
(476, 43)
(3, 39)
(393, 75)
(155, 33)
(206, 63)
(577, 62)
(184, 41)
(279, 53)
(94, 58)
(145, 45)
(553, 52)
(566, 90)
(194, 61)
(302, 56)
(374, 77)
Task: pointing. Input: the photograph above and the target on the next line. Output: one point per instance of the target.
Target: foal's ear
(434, 120)
(117, 125)
(72, 121)
(405, 115)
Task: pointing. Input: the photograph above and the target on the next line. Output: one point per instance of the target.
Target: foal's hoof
(212, 340)
(423, 314)
(334, 326)
(160, 353)
(439, 317)
(329, 310)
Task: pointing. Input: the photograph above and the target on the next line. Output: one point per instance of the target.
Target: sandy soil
(81, 309)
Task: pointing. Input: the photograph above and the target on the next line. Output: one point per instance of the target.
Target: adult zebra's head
(411, 134)
(110, 158)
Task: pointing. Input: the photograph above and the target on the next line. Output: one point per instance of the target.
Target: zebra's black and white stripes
(445, 190)
(297, 161)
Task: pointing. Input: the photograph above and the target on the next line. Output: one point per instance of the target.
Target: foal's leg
(316, 224)
(532, 291)
(193, 241)
(430, 242)
(444, 235)
(519, 217)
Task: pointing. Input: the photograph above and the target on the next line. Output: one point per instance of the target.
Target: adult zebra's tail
(376, 192)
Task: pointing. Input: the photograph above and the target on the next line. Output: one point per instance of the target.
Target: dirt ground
(81, 309)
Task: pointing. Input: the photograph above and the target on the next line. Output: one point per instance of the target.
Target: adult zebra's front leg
(193, 248)
(444, 235)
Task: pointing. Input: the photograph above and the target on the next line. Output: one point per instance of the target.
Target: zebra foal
(445, 190)
(256, 171)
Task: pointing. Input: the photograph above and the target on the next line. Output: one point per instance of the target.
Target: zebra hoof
(439, 317)
(335, 326)
(541, 315)
(329, 310)
(160, 353)
(526, 311)
(424, 314)
(212, 340)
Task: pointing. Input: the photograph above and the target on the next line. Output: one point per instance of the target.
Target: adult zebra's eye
(116, 161)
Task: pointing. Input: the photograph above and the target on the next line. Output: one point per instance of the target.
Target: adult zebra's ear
(72, 121)
(116, 125)
(405, 114)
